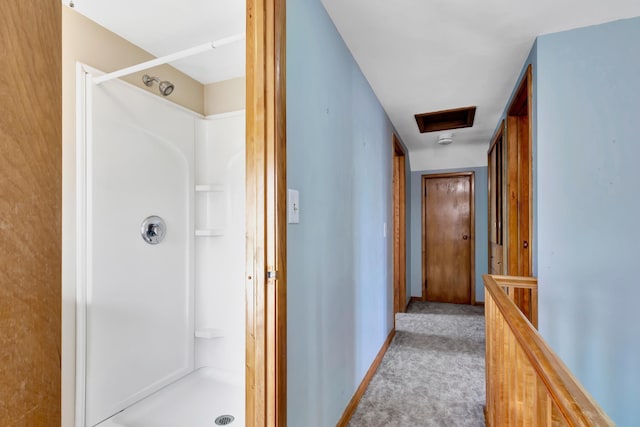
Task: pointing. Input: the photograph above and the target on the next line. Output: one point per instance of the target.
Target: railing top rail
(573, 401)
(516, 281)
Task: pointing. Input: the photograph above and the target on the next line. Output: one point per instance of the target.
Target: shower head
(165, 87)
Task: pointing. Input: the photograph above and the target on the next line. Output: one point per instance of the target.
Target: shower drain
(223, 420)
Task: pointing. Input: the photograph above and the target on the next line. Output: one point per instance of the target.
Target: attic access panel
(446, 119)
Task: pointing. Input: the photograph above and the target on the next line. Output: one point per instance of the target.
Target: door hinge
(271, 274)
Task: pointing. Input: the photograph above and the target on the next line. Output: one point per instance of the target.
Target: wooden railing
(527, 384)
(523, 291)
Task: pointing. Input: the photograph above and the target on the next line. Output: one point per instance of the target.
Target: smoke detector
(445, 138)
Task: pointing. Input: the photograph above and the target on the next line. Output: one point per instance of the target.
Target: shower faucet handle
(153, 229)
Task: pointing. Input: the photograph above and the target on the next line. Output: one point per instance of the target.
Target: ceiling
(418, 55)
(162, 27)
(429, 55)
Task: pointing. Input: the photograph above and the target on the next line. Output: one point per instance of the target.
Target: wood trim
(526, 380)
(399, 226)
(30, 208)
(472, 261)
(412, 299)
(523, 291)
(280, 177)
(512, 242)
(423, 252)
(398, 149)
(519, 105)
(501, 190)
(496, 136)
(472, 268)
(266, 213)
(529, 270)
(519, 281)
(406, 307)
(520, 192)
(355, 400)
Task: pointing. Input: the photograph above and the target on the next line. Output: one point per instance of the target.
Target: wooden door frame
(499, 134)
(472, 255)
(516, 138)
(266, 207)
(266, 267)
(399, 227)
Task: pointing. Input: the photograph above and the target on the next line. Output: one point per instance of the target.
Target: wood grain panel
(519, 179)
(496, 260)
(448, 237)
(527, 384)
(266, 210)
(513, 237)
(496, 205)
(30, 213)
(399, 228)
(524, 193)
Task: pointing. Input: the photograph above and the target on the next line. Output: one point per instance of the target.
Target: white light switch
(384, 230)
(294, 207)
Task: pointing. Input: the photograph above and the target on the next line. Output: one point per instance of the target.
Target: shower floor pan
(196, 400)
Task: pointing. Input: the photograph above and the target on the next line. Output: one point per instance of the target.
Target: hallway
(433, 372)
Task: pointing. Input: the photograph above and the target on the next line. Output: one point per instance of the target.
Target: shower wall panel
(220, 259)
(140, 329)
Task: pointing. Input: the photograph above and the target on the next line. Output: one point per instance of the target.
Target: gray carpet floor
(432, 373)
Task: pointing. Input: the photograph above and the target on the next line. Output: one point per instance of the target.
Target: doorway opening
(263, 303)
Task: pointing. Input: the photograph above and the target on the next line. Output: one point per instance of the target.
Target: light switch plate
(293, 206)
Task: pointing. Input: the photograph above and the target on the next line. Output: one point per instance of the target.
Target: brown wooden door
(30, 213)
(448, 237)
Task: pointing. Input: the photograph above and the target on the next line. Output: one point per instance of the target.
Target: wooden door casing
(496, 203)
(519, 184)
(448, 238)
(266, 239)
(399, 228)
(519, 180)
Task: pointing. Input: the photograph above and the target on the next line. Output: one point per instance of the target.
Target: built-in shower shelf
(209, 188)
(212, 232)
(209, 333)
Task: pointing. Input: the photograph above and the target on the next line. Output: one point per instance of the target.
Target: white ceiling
(162, 27)
(429, 55)
(418, 55)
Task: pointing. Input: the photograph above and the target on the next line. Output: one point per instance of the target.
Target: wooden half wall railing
(527, 383)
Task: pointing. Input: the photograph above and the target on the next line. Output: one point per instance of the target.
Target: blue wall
(340, 295)
(481, 217)
(588, 151)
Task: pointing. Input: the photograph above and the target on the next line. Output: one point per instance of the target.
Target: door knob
(465, 237)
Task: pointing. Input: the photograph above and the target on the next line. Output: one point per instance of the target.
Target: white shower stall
(160, 238)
